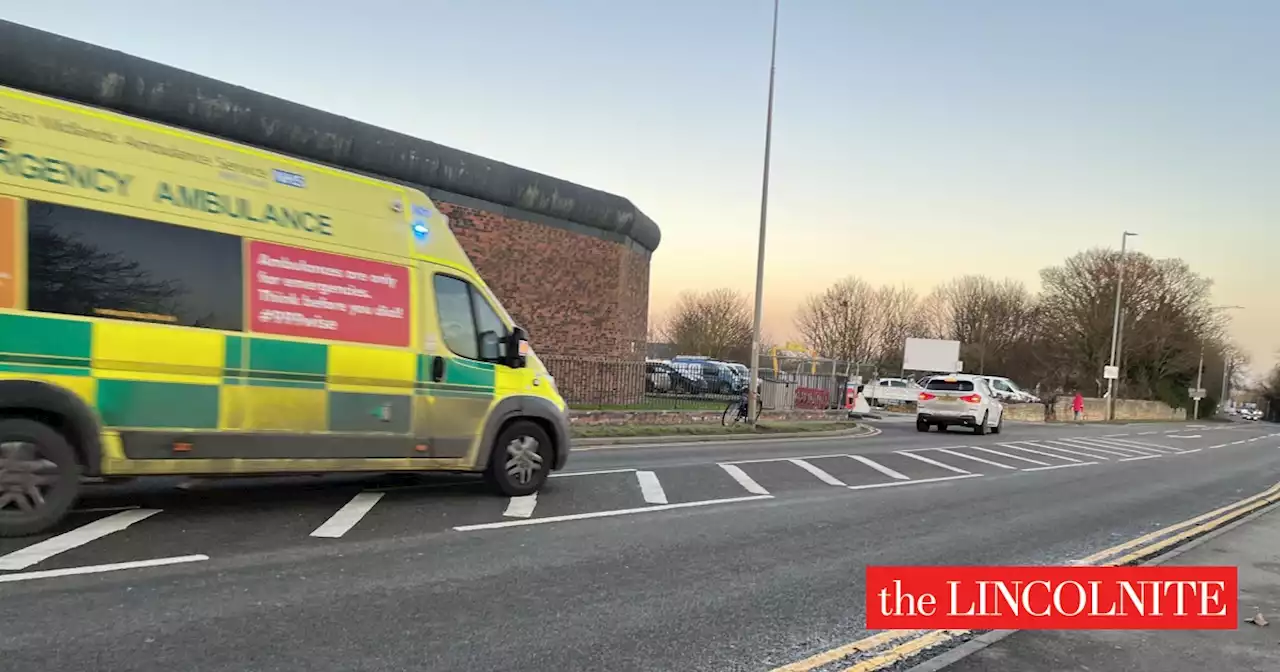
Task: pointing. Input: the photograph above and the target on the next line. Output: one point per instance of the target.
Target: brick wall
(577, 295)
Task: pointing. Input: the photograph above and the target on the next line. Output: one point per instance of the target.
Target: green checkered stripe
(39, 346)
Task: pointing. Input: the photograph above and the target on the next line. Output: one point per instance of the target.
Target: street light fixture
(752, 396)
(1200, 369)
(1115, 331)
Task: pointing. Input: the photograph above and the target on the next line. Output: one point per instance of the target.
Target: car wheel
(39, 477)
(999, 424)
(982, 426)
(922, 426)
(521, 459)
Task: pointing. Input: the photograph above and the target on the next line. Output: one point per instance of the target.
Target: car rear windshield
(950, 385)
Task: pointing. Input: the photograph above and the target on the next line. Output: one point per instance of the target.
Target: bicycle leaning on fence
(736, 411)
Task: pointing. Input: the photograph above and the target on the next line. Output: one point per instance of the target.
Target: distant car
(882, 391)
(719, 377)
(1008, 391)
(658, 376)
(959, 399)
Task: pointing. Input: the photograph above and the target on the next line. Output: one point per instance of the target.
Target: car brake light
(925, 396)
(971, 399)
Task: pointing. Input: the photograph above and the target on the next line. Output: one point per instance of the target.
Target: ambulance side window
(457, 323)
(466, 317)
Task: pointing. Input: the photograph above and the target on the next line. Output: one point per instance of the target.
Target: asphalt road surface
(714, 556)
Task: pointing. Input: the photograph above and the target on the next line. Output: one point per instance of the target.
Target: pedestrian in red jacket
(1077, 405)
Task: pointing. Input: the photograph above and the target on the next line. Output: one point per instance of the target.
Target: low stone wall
(1133, 409)
(1095, 410)
(1026, 412)
(690, 417)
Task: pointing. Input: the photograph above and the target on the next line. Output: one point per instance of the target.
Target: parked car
(959, 399)
(718, 377)
(686, 378)
(1009, 392)
(890, 390)
(657, 376)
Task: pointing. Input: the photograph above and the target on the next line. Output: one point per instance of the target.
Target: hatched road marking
(935, 463)
(1012, 457)
(1037, 452)
(521, 507)
(98, 569)
(36, 553)
(346, 518)
(748, 483)
(651, 488)
(881, 468)
(818, 473)
(975, 459)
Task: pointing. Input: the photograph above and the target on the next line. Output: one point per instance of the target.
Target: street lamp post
(1225, 364)
(752, 391)
(1115, 329)
(1195, 411)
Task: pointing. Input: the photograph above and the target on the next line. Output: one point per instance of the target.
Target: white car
(959, 399)
(1007, 390)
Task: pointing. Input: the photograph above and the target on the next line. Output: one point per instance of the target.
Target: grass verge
(612, 431)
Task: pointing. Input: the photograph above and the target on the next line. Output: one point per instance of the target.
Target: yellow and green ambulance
(175, 304)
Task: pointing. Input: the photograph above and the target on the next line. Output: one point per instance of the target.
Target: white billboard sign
(932, 355)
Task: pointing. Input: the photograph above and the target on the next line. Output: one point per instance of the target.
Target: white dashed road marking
(1143, 457)
(346, 518)
(651, 488)
(36, 553)
(521, 507)
(99, 569)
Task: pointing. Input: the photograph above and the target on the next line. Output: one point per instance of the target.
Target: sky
(914, 140)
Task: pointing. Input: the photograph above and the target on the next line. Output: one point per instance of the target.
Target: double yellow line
(908, 643)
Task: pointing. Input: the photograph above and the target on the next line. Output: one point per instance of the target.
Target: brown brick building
(569, 262)
(578, 292)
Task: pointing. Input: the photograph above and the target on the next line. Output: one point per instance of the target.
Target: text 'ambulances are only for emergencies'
(304, 293)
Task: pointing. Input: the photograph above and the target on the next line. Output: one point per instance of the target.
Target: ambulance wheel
(521, 459)
(39, 477)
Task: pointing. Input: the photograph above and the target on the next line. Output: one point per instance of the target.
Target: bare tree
(990, 318)
(840, 322)
(897, 317)
(716, 324)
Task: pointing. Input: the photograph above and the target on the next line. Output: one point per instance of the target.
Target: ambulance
(176, 304)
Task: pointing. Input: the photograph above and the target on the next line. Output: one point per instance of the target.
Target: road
(719, 556)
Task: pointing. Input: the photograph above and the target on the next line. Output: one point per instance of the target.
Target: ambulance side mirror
(517, 348)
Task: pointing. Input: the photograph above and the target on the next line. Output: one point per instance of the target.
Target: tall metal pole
(752, 392)
(1115, 327)
(1226, 375)
(1195, 412)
